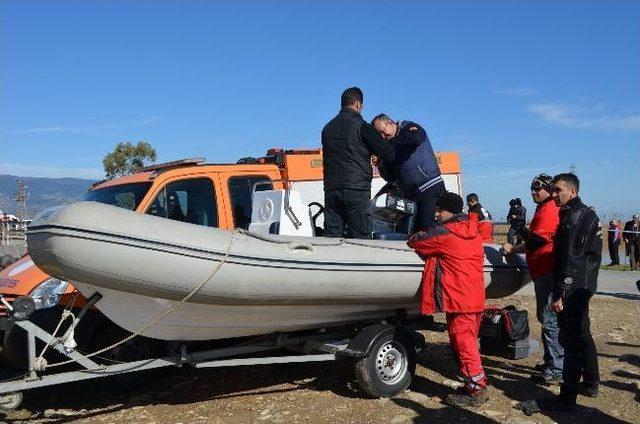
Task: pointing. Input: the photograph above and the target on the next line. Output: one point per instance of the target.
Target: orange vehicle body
(279, 166)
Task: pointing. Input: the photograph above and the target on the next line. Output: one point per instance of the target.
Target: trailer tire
(387, 370)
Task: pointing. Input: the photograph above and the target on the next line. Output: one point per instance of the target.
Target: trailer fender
(361, 345)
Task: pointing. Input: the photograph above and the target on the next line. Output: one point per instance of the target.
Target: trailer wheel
(387, 370)
(11, 401)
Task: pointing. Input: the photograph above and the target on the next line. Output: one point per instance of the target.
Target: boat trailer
(383, 354)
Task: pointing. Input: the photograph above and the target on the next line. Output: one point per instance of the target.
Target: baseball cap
(542, 181)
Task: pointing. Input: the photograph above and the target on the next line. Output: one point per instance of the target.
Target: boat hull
(142, 265)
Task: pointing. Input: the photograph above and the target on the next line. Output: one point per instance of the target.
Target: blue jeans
(553, 351)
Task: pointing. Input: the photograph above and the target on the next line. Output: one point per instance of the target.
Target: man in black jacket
(577, 256)
(631, 236)
(517, 218)
(348, 142)
(416, 166)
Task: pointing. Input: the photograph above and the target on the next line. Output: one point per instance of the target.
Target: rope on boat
(158, 319)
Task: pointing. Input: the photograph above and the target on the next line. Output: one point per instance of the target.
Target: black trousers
(613, 253)
(580, 355)
(347, 213)
(633, 250)
(426, 207)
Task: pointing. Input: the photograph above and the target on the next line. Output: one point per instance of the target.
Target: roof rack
(97, 183)
(180, 162)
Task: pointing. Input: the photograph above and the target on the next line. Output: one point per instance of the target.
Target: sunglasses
(537, 186)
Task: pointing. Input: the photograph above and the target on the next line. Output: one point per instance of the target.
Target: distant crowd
(630, 235)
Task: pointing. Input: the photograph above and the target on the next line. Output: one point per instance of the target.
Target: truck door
(191, 200)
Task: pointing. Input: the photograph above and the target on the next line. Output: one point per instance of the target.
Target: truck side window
(240, 189)
(192, 201)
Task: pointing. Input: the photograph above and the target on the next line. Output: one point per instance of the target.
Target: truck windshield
(127, 196)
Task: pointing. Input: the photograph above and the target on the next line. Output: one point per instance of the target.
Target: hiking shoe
(588, 389)
(549, 378)
(540, 367)
(463, 398)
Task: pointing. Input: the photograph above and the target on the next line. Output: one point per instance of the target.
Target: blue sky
(516, 87)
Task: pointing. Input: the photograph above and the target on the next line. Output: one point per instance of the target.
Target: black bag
(507, 324)
(516, 323)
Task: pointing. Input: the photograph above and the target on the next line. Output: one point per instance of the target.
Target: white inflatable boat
(142, 265)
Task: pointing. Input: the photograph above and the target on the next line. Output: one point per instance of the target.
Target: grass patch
(616, 267)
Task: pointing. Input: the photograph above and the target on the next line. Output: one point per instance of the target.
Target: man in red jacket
(453, 282)
(485, 220)
(538, 246)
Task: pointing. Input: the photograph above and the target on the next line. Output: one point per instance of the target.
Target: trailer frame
(323, 345)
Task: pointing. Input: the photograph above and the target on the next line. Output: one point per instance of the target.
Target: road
(617, 284)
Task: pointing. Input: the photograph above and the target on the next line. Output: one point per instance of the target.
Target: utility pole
(21, 198)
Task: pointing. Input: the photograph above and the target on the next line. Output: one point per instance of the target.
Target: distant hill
(43, 192)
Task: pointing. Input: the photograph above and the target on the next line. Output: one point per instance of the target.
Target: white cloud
(580, 117)
(87, 129)
(23, 170)
(521, 91)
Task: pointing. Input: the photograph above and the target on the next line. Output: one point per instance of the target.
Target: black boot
(463, 398)
(589, 389)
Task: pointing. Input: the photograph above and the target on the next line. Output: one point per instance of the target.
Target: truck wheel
(387, 370)
(11, 401)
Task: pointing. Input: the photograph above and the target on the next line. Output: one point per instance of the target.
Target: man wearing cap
(453, 282)
(631, 235)
(416, 166)
(538, 246)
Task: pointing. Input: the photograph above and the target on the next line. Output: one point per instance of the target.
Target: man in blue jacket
(416, 166)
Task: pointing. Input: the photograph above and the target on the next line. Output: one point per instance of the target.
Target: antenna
(21, 198)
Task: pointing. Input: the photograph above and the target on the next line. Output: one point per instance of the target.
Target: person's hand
(557, 306)
(508, 248)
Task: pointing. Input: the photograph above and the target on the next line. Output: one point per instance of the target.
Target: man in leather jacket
(577, 257)
(348, 142)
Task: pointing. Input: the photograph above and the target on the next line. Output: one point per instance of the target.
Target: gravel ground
(326, 392)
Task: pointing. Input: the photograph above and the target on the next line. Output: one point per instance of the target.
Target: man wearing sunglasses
(538, 247)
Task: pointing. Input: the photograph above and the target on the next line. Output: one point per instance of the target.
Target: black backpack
(515, 323)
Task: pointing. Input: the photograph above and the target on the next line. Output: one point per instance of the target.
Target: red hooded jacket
(453, 276)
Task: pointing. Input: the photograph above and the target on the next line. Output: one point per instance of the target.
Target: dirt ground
(326, 392)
